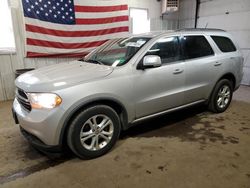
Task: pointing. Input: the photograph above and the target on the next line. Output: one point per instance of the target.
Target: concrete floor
(189, 148)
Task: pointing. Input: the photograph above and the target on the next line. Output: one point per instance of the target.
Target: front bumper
(34, 141)
(14, 116)
(43, 124)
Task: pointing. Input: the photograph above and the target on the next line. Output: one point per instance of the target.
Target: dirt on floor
(188, 148)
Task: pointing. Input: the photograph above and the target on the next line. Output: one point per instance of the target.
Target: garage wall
(230, 15)
(184, 18)
(10, 62)
(187, 13)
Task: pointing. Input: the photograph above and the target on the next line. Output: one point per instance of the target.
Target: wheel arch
(113, 103)
(229, 76)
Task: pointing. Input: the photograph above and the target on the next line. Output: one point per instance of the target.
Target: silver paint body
(143, 93)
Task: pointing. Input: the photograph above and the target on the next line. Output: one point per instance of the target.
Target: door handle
(178, 71)
(217, 64)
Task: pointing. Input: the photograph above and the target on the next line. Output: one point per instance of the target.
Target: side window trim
(179, 49)
(235, 49)
(182, 50)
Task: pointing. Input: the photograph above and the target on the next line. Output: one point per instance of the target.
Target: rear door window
(195, 47)
(225, 44)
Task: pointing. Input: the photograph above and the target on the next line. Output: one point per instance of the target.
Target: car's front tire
(94, 131)
(221, 96)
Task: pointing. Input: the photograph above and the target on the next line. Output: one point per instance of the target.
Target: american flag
(70, 28)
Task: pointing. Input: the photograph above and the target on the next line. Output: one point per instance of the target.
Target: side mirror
(151, 61)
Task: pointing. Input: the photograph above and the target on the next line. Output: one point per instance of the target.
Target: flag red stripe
(60, 33)
(100, 8)
(34, 54)
(91, 21)
(51, 44)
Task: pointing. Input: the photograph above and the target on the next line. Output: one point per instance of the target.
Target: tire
(217, 95)
(94, 131)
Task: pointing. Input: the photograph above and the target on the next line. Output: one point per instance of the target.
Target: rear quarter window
(225, 44)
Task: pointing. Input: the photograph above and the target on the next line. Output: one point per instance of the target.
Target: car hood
(60, 76)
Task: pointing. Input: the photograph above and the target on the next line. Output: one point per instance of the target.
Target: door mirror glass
(150, 61)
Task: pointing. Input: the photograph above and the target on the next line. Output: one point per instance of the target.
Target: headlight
(44, 100)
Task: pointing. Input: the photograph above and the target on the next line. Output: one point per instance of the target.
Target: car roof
(182, 31)
(201, 29)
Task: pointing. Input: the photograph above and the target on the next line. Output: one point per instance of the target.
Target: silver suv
(85, 104)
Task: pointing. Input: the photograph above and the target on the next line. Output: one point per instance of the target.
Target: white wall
(171, 21)
(187, 13)
(153, 6)
(154, 10)
(10, 62)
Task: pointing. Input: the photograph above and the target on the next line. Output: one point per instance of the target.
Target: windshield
(117, 52)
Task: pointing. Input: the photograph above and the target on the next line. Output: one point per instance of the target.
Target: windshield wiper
(94, 61)
(82, 59)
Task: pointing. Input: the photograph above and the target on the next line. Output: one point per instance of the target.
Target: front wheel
(94, 131)
(221, 96)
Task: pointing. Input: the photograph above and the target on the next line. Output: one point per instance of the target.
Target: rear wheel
(221, 96)
(94, 131)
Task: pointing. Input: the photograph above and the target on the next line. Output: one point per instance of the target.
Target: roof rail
(199, 29)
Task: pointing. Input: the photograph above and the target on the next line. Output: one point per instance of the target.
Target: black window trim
(196, 34)
(223, 36)
(163, 37)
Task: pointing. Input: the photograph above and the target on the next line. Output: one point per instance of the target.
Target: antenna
(206, 25)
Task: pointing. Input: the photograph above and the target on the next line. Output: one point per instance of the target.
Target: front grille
(22, 98)
(22, 93)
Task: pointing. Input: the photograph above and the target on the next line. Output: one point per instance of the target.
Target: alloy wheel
(223, 96)
(96, 132)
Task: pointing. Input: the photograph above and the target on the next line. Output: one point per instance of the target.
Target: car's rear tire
(221, 96)
(94, 131)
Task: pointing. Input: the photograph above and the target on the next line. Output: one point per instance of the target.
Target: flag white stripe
(40, 49)
(39, 36)
(64, 27)
(100, 2)
(91, 15)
